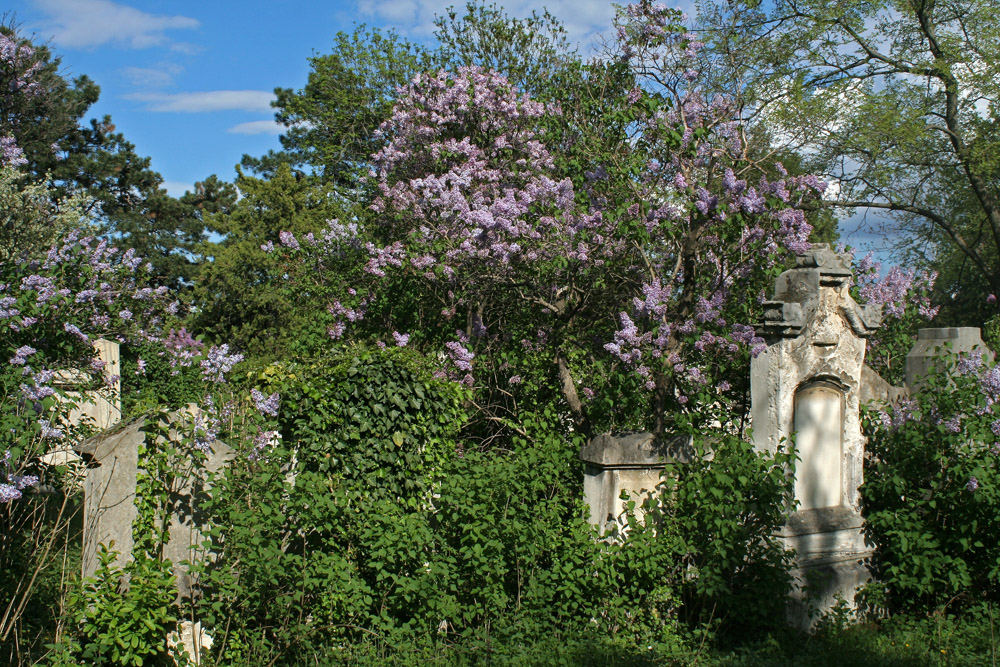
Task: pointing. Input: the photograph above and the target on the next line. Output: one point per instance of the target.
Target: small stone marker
(632, 463)
(933, 345)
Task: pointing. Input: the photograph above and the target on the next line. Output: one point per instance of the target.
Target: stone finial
(798, 299)
(834, 269)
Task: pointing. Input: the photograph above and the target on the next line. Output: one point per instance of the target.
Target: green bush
(316, 534)
(726, 507)
(369, 533)
(932, 492)
(120, 616)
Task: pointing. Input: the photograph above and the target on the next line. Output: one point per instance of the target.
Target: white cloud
(151, 77)
(177, 188)
(209, 100)
(257, 127)
(187, 48)
(91, 23)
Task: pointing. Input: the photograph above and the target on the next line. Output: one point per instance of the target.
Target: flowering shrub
(905, 298)
(484, 255)
(932, 490)
(52, 310)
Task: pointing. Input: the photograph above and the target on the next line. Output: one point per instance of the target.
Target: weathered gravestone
(806, 387)
(110, 509)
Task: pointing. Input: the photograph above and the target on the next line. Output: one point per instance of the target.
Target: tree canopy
(896, 103)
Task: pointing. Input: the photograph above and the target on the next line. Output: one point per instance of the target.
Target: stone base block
(830, 553)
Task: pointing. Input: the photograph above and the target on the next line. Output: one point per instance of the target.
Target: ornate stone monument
(806, 389)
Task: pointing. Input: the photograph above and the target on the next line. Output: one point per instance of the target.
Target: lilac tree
(479, 250)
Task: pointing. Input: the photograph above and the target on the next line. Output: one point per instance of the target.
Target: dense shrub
(120, 616)
(369, 523)
(932, 490)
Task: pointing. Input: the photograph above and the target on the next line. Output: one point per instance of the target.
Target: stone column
(806, 388)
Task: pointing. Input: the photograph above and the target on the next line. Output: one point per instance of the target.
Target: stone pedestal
(806, 390)
(631, 463)
(110, 511)
(830, 553)
(934, 345)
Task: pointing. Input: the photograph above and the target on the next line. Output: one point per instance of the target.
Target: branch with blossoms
(715, 230)
(905, 298)
(52, 310)
(19, 67)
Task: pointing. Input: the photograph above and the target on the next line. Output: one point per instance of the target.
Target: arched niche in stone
(818, 425)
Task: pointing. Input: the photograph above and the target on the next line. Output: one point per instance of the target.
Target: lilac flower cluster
(897, 289)
(206, 426)
(21, 355)
(182, 347)
(262, 441)
(10, 153)
(265, 405)
(461, 359)
(219, 362)
(13, 484)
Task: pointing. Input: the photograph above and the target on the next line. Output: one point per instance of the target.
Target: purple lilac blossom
(21, 355)
(219, 362)
(265, 405)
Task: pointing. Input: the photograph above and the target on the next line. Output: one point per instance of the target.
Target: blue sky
(189, 83)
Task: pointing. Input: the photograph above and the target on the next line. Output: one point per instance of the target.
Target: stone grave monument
(806, 388)
(631, 463)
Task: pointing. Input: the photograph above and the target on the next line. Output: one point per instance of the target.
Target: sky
(190, 83)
